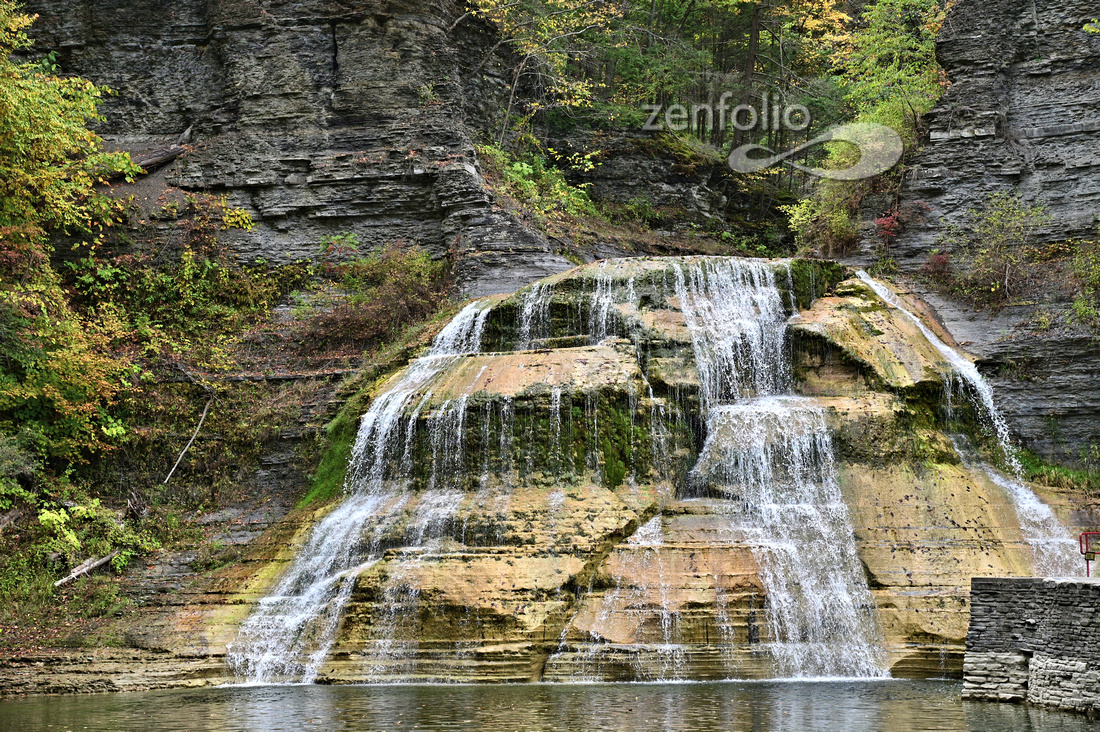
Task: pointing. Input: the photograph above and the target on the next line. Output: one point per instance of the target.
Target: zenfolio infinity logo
(880, 148)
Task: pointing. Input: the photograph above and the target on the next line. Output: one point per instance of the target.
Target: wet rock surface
(572, 543)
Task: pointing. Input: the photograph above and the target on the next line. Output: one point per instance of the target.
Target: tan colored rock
(551, 572)
(868, 332)
(579, 370)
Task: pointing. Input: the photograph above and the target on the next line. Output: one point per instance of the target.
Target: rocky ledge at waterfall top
(581, 548)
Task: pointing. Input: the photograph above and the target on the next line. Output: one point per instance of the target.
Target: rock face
(318, 117)
(1034, 640)
(1022, 114)
(661, 173)
(562, 505)
(582, 545)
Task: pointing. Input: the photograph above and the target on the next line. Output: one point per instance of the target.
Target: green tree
(888, 71)
(50, 162)
(888, 66)
(56, 382)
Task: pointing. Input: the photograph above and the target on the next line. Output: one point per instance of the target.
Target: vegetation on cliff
(723, 74)
(136, 351)
(890, 76)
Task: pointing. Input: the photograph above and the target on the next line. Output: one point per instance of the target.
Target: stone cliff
(1022, 114)
(317, 116)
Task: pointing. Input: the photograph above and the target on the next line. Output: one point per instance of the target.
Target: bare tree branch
(87, 567)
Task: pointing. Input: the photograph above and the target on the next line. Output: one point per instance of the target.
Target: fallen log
(150, 161)
(192, 440)
(9, 517)
(86, 567)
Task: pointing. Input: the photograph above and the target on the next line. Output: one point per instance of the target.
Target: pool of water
(728, 706)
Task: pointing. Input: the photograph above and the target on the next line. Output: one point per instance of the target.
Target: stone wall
(1036, 640)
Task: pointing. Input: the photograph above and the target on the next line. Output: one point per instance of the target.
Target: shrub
(1086, 269)
(938, 268)
(382, 293)
(826, 220)
(993, 248)
(538, 185)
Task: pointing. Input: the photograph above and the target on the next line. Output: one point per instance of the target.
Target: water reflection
(729, 706)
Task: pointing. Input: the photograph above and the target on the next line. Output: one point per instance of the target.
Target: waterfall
(639, 571)
(738, 327)
(533, 320)
(290, 633)
(772, 458)
(1054, 550)
(534, 315)
(967, 371)
(603, 299)
(769, 455)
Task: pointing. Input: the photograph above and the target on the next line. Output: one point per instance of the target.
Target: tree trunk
(87, 567)
(749, 68)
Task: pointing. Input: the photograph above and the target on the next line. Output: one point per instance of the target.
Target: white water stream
(1054, 550)
(769, 455)
(292, 630)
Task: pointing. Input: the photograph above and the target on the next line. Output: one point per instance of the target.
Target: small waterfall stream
(772, 456)
(291, 632)
(1055, 552)
(980, 390)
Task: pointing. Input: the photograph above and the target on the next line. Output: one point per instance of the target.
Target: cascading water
(534, 315)
(964, 369)
(418, 504)
(770, 456)
(1055, 552)
(291, 632)
(639, 578)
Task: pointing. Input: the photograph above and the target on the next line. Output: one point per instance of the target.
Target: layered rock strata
(1022, 115)
(317, 117)
(579, 553)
